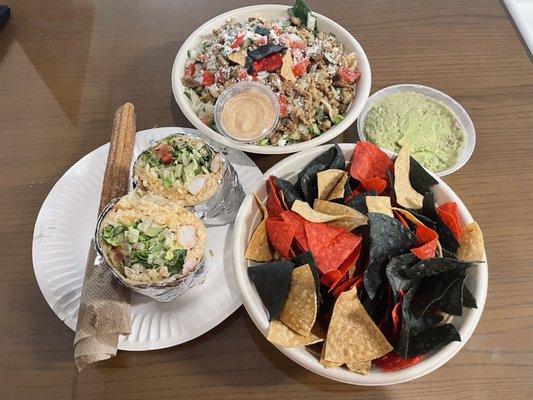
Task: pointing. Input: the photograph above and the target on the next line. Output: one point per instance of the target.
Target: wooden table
(66, 66)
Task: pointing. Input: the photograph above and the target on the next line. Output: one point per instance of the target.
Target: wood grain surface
(65, 66)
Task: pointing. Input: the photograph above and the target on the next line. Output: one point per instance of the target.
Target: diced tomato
(190, 70)
(237, 42)
(164, 151)
(300, 68)
(242, 75)
(272, 62)
(283, 107)
(208, 78)
(277, 29)
(392, 362)
(349, 75)
(258, 65)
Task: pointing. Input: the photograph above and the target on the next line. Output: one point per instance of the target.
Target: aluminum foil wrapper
(161, 292)
(222, 207)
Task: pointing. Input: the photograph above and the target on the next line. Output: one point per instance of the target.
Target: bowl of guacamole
(437, 129)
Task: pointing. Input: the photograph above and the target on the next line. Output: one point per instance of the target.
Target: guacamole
(434, 135)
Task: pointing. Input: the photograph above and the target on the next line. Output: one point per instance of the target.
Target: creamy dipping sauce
(248, 115)
(430, 128)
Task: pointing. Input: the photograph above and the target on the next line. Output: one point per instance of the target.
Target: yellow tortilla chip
(379, 204)
(471, 246)
(350, 218)
(262, 207)
(362, 368)
(328, 180)
(258, 247)
(406, 196)
(286, 68)
(300, 307)
(239, 57)
(305, 210)
(353, 337)
(338, 190)
(409, 216)
(327, 363)
(283, 336)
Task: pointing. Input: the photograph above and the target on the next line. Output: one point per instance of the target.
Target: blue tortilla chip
(358, 203)
(388, 239)
(433, 339)
(290, 194)
(420, 179)
(338, 162)
(271, 281)
(452, 300)
(395, 274)
(468, 298)
(434, 288)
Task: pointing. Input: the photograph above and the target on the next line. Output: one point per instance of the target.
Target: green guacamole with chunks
(434, 135)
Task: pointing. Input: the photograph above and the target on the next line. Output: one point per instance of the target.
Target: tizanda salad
(312, 76)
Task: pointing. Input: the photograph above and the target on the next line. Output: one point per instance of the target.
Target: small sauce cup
(247, 112)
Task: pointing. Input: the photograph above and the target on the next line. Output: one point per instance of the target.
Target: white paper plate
(249, 216)
(65, 227)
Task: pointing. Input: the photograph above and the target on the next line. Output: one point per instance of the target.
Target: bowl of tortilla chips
(360, 265)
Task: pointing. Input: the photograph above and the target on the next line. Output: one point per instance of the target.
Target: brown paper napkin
(105, 311)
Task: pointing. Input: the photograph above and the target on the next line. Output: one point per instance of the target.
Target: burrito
(180, 168)
(150, 242)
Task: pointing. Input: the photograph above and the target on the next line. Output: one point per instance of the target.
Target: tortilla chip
(362, 368)
(239, 57)
(406, 196)
(262, 207)
(273, 203)
(258, 247)
(350, 220)
(327, 363)
(286, 68)
(272, 280)
(301, 306)
(379, 204)
(338, 191)
(305, 210)
(328, 180)
(369, 161)
(282, 336)
(353, 338)
(280, 235)
(471, 247)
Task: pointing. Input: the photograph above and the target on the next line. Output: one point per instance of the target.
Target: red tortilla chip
(335, 279)
(449, 215)
(280, 235)
(329, 278)
(298, 222)
(356, 281)
(273, 203)
(427, 239)
(332, 256)
(391, 362)
(369, 161)
(378, 184)
(320, 235)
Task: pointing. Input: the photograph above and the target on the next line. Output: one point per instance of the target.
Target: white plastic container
(249, 217)
(460, 114)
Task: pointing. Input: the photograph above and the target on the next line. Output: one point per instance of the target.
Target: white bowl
(249, 217)
(460, 114)
(272, 11)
